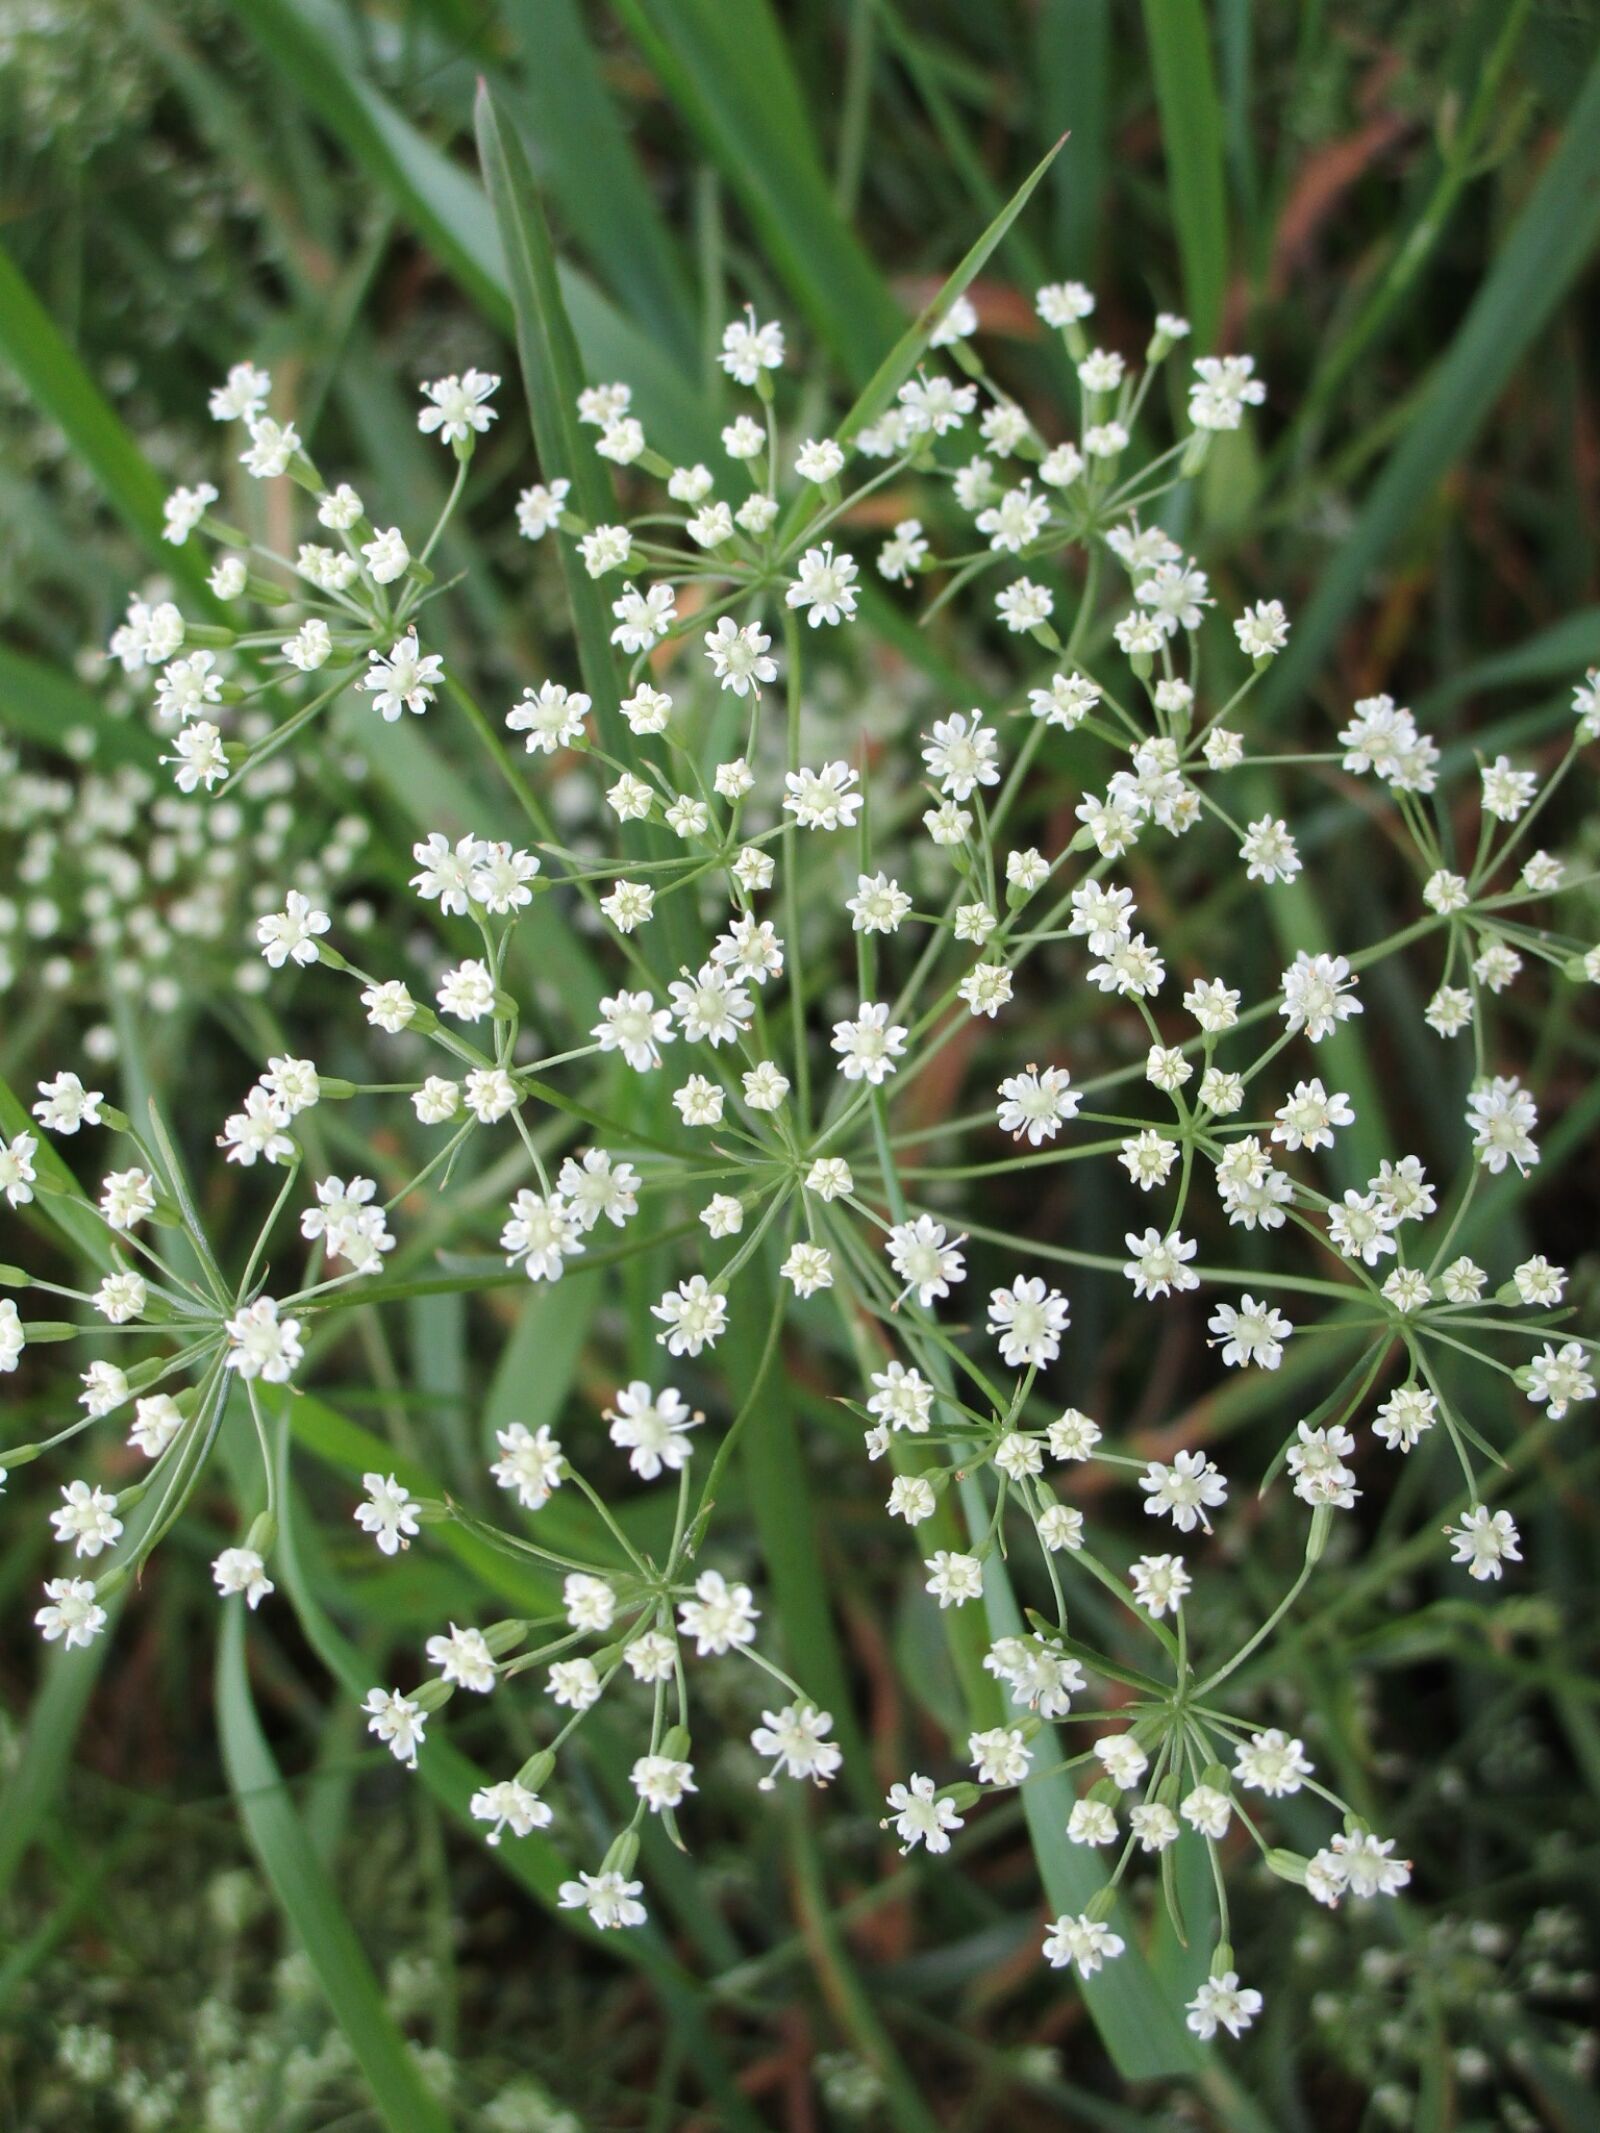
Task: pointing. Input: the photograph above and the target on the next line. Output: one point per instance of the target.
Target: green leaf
(1192, 137)
(728, 70)
(912, 344)
(553, 376)
(1543, 253)
(1073, 51)
(313, 47)
(535, 1862)
(590, 168)
(301, 1884)
(42, 704)
(61, 386)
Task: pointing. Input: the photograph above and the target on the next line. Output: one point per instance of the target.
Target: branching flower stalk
(882, 898)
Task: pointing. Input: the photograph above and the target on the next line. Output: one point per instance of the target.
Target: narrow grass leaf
(301, 1885)
(1192, 139)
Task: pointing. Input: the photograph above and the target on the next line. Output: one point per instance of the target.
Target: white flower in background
(458, 406)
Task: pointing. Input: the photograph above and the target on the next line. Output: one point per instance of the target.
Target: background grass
(1396, 210)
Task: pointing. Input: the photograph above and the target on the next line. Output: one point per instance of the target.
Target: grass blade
(1072, 47)
(1542, 255)
(593, 174)
(61, 386)
(1191, 134)
(300, 1883)
(729, 72)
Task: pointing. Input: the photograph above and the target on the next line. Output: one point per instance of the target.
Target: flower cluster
(787, 937)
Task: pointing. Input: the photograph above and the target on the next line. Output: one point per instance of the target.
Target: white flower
(389, 1513)
(1262, 630)
(934, 406)
(738, 656)
(1559, 1378)
(921, 1818)
(795, 1738)
(458, 408)
(986, 988)
(1035, 1103)
(67, 1105)
(824, 584)
(405, 680)
(1272, 1763)
(1016, 521)
(468, 991)
(105, 1388)
(601, 405)
(652, 1428)
(711, 1007)
(1269, 852)
(119, 1298)
(632, 1024)
(272, 447)
(437, 1101)
(606, 548)
(1024, 605)
(71, 1613)
(127, 1197)
(290, 935)
(923, 1260)
(1317, 994)
(808, 1268)
(1158, 1265)
(87, 1517)
(610, 1899)
(961, 754)
(1404, 1416)
(1063, 303)
(1307, 1117)
(1249, 1332)
(749, 348)
(643, 619)
(1183, 1491)
(1092, 1822)
(912, 1498)
(823, 799)
(1507, 793)
(1028, 1319)
(721, 1617)
(1000, 1755)
(904, 552)
(1485, 1541)
(389, 1006)
(242, 1570)
(509, 1805)
(1207, 1810)
(1072, 1436)
(398, 1721)
(551, 718)
(699, 1101)
(1224, 386)
(242, 398)
(539, 509)
(869, 1047)
(574, 1684)
(17, 1174)
(531, 1464)
(1501, 1118)
(589, 1602)
(1083, 1943)
(543, 1232)
(661, 1781)
(1222, 2002)
(264, 1345)
(1160, 1583)
(694, 1316)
